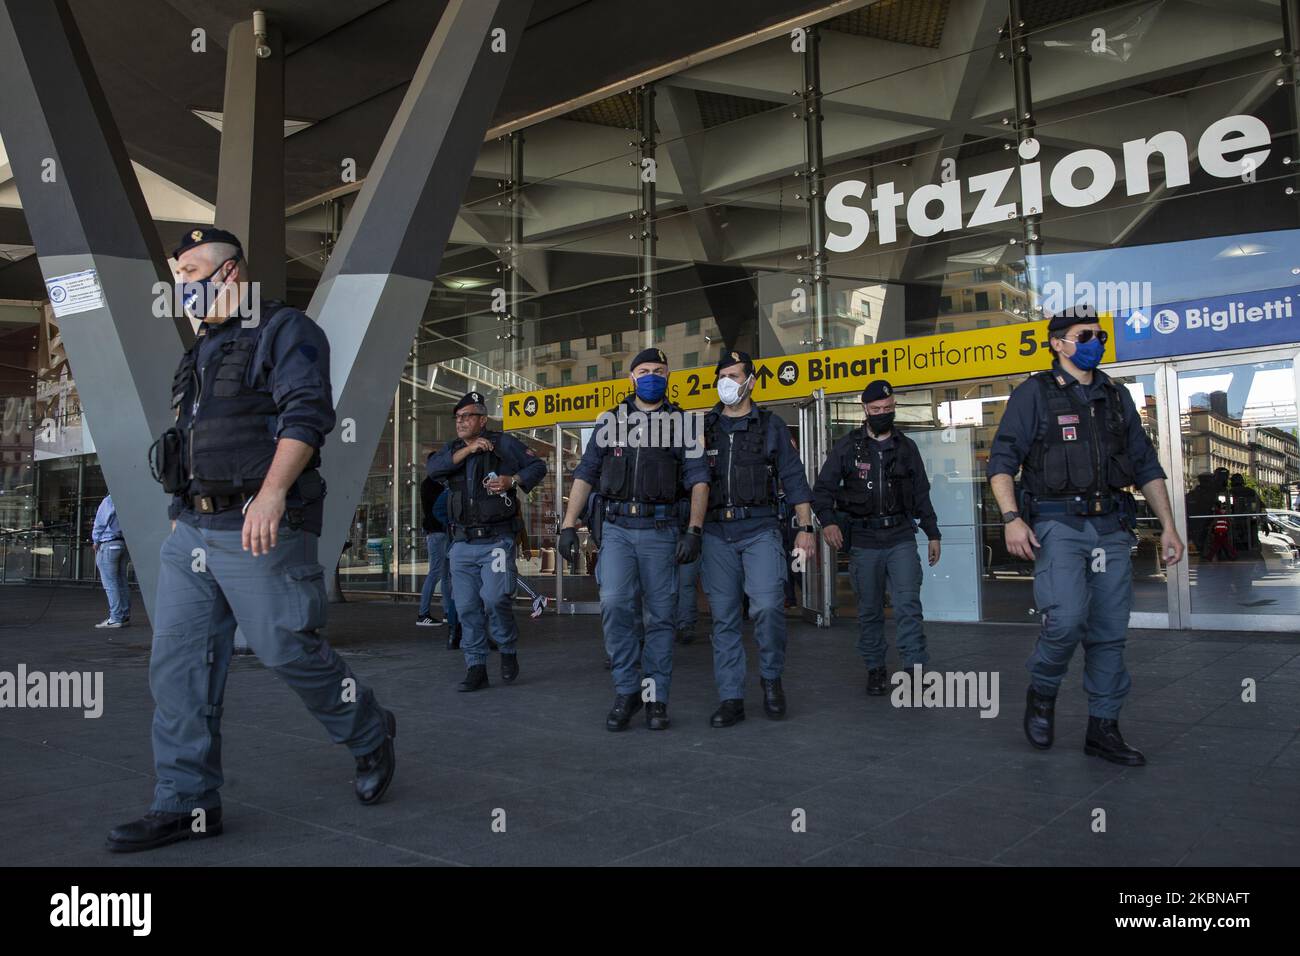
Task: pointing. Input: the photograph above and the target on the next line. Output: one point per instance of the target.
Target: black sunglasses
(1085, 335)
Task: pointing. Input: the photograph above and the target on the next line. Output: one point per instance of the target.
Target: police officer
(869, 496)
(639, 462)
(749, 451)
(1077, 440)
(484, 470)
(253, 405)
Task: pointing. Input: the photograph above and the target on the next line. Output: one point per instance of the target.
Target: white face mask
(730, 391)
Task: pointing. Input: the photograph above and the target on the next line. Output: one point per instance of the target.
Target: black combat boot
(656, 715)
(158, 828)
(375, 770)
(625, 705)
(1104, 740)
(877, 681)
(1040, 718)
(773, 698)
(729, 713)
(509, 667)
(453, 639)
(475, 679)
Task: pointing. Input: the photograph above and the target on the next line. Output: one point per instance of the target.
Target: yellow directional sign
(982, 353)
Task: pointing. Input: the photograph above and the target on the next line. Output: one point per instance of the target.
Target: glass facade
(1145, 181)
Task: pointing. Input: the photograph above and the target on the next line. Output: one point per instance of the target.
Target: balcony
(559, 355)
(617, 347)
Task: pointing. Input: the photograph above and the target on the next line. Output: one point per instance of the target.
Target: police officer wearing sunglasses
(1077, 441)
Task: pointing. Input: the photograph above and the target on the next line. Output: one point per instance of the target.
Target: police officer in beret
(1077, 441)
(253, 406)
(749, 451)
(484, 471)
(639, 461)
(869, 496)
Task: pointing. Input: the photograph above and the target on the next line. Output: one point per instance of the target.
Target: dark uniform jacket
(279, 369)
(906, 490)
(512, 457)
(1026, 421)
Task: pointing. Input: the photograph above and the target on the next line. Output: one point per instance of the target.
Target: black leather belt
(881, 523)
(1077, 505)
(215, 504)
(640, 509)
(737, 512)
(478, 532)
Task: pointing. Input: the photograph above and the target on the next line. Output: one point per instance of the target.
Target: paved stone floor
(877, 785)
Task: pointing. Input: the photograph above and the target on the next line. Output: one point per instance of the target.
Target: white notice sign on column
(76, 292)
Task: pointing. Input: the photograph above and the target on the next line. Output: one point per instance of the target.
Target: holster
(166, 461)
(594, 517)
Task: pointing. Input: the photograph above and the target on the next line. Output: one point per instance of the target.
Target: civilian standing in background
(110, 558)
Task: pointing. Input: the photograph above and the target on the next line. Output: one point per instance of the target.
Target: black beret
(651, 354)
(471, 398)
(730, 357)
(200, 237)
(876, 391)
(1079, 315)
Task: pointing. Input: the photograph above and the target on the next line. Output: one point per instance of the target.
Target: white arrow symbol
(1137, 322)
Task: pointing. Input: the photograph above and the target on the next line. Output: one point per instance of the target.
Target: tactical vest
(1084, 451)
(639, 473)
(740, 472)
(469, 504)
(864, 493)
(228, 428)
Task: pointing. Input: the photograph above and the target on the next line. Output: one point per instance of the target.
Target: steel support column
(815, 185)
(647, 174)
(250, 179)
(1025, 124)
(376, 285)
(1291, 48)
(86, 213)
(515, 334)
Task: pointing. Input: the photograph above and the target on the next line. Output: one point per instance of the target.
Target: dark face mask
(881, 423)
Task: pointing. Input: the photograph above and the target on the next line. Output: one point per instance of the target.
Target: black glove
(688, 547)
(568, 546)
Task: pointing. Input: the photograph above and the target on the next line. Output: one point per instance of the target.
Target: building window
(986, 391)
(616, 368)
(541, 379)
(981, 323)
(945, 304)
(591, 342)
(981, 301)
(950, 394)
(692, 326)
(660, 334)
(690, 360)
(593, 371)
(945, 328)
(566, 376)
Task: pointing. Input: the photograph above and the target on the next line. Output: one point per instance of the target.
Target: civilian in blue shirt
(110, 558)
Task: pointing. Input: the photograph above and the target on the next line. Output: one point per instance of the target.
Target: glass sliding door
(1240, 466)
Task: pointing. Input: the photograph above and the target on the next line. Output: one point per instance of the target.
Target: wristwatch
(695, 529)
(1009, 516)
(807, 529)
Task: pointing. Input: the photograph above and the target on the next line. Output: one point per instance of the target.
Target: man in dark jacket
(870, 495)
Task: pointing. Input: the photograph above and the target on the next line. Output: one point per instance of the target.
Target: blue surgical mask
(197, 297)
(651, 388)
(1087, 355)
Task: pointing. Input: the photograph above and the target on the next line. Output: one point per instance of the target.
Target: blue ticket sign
(1224, 322)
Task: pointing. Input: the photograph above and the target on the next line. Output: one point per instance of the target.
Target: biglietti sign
(1081, 178)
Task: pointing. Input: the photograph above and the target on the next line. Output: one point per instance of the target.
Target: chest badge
(1067, 419)
(1069, 433)
(618, 451)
